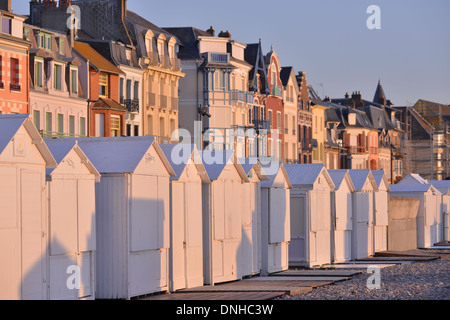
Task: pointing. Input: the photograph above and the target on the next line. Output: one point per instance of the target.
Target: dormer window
(6, 25)
(44, 41)
(352, 119)
(61, 45)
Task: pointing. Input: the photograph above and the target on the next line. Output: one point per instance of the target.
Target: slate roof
(413, 188)
(60, 148)
(215, 162)
(285, 74)
(359, 178)
(188, 37)
(338, 176)
(10, 125)
(306, 174)
(121, 154)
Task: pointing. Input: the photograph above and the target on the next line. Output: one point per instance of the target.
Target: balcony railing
(262, 125)
(162, 101)
(151, 99)
(276, 91)
(174, 104)
(176, 64)
(50, 135)
(165, 61)
(154, 58)
(14, 87)
(131, 105)
(356, 150)
(242, 96)
(289, 99)
(373, 151)
(218, 57)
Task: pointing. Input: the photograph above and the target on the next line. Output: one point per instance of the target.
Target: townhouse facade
(216, 107)
(14, 62)
(58, 85)
(304, 117)
(106, 114)
(290, 114)
(275, 107)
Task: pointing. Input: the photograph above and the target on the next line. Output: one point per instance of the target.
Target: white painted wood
(275, 222)
(311, 211)
(132, 216)
(23, 233)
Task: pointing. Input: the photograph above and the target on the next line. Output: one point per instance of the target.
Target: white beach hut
(342, 215)
(434, 203)
(426, 218)
(71, 220)
(443, 229)
(222, 216)
(250, 249)
(186, 241)
(310, 215)
(363, 213)
(381, 211)
(132, 216)
(275, 219)
(24, 158)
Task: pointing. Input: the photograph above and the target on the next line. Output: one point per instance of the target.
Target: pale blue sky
(329, 40)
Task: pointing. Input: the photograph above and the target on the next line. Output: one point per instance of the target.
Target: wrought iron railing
(276, 91)
(132, 105)
(14, 87)
(51, 134)
(243, 96)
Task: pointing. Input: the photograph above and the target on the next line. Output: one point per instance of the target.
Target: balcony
(262, 125)
(162, 102)
(289, 99)
(14, 87)
(373, 151)
(154, 58)
(151, 99)
(176, 64)
(131, 105)
(276, 91)
(356, 150)
(164, 62)
(242, 96)
(174, 104)
(51, 135)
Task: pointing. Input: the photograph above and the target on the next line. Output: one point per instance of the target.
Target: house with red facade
(14, 92)
(106, 115)
(274, 106)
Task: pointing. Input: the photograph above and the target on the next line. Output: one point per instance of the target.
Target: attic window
(6, 25)
(44, 41)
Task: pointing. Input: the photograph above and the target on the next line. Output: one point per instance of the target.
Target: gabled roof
(307, 174)
(108, 104)
(254, 55)
(422, 188)
(359, 178)
(248, 164)
(380, 175)
(339, 176)
(179, 162)
(215, 161)
(10, 125)
(95, 58)
(120, 155)
(60, 148)
(413, 178)
(285, 74)
(271, 170)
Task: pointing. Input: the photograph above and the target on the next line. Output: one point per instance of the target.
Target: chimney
(225, 34)
(211, 31)
(5, 5)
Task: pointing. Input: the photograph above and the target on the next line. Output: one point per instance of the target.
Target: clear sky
(330, 41)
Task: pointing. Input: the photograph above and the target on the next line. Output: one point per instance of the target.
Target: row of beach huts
(118, 218)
